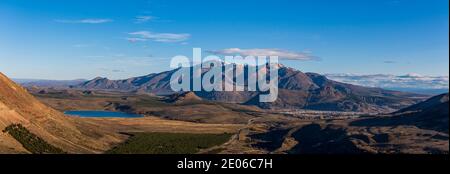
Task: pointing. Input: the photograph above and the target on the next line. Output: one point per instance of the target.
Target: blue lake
(102, 114)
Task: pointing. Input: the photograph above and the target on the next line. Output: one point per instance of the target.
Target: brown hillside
(17, 106)
(183, 97)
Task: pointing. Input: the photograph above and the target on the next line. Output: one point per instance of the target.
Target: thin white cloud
(134, 39)
(143, 19)
(157, 37)
(84, 21)
(282, 54)
(412, 80)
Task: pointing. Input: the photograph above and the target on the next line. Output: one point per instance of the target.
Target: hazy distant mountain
(416, 83)
(296, 90)
(426, 91)
(48, 83)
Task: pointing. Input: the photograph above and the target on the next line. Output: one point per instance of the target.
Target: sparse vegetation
(31, 142)
(150, 101)
(168, 143)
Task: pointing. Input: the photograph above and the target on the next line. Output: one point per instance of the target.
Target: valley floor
(254, 130)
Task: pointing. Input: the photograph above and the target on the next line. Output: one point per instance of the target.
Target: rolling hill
(431, 114)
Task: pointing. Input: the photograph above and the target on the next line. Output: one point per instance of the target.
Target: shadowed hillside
(431, 114)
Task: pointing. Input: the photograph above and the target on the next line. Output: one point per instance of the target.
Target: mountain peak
(183, 97)
(296, 90)
(100, 78)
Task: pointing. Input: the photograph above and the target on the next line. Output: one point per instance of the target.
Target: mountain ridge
(296, 90)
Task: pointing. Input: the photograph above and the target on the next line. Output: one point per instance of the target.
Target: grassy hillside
(31, 142)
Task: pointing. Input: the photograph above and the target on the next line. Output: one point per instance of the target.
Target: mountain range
(48, 83)
(297, 90)
(412, 82)
(419, 128)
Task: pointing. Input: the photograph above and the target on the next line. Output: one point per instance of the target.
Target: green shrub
(31, 142)
(168, 143)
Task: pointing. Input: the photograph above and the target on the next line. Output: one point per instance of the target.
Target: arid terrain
(265, 131)
(312, 115)
(78, 135)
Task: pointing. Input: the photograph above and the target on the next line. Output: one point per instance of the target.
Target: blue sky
(51, 39)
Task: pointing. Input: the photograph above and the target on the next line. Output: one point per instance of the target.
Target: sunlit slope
(17, 106)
